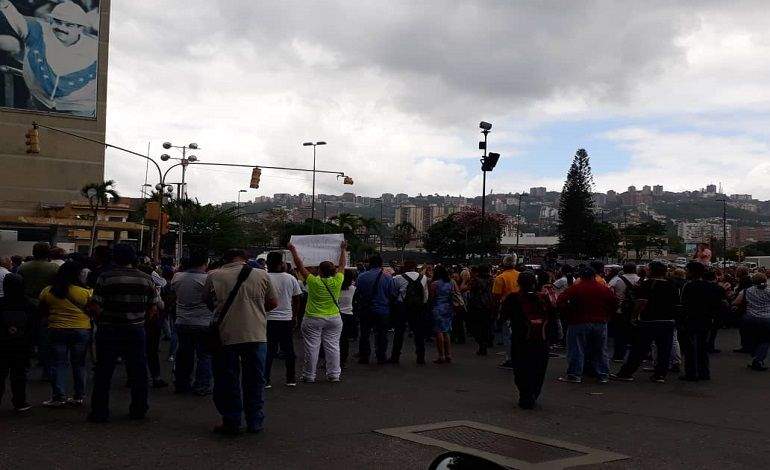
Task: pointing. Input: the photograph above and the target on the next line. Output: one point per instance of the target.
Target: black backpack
(629, 300)
(414, 298)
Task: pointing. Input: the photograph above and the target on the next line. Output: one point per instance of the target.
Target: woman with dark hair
(69, 332)
(442, 291)
(481, 307)
(530, 312)
(349, 329)
(322, 325)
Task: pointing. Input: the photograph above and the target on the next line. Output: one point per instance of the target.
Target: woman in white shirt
(349, 325)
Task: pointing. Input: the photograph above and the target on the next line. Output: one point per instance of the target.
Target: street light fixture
(182, 191)
(312, 202)
(488, 163)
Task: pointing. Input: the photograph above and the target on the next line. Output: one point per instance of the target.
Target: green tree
(604, 240)
(403, 234)
(209, 227)
(459, 235)
(576, 215)
(644, 237)
(99, 196)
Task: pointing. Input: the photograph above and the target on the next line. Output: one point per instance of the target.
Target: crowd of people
(229, 320)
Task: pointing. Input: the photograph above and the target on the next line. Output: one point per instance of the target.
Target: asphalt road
(721, 424)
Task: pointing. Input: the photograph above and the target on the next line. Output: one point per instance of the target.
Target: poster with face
(49, 56)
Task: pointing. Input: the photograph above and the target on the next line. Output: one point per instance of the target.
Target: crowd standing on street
(229, 320)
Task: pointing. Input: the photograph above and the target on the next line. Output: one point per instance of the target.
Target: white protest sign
(315, 249)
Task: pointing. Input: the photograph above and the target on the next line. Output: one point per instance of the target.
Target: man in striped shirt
(123, 298)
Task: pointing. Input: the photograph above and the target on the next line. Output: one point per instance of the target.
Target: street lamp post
(488, 163)
(312, 202)
(724, 231)
(518, 223)
(182, 189)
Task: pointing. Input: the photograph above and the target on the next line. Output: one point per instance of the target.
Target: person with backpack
(17, 323)
(532, 316)
(481, 307)
(653, 318)
(756, 302)
(624, 286)
(411, 308)
(375, 291)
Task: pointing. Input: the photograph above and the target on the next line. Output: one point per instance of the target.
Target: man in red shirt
(587, 306)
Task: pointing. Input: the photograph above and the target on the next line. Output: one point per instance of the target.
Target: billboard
(49, 56)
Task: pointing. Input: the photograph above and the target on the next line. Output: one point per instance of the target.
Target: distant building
(746, 235)
(401, 198)
(703, 232)
(348, 197)
(387, 198)
(538, 193)
(412, 214)
(711, 189)
(647, 190)
(741, 197)
(657, 190)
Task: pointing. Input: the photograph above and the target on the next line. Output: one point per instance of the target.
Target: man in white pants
(322, 323)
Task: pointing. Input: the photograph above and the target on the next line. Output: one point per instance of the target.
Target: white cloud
(397, 88)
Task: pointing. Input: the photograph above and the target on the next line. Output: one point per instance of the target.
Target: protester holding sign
(322, 322)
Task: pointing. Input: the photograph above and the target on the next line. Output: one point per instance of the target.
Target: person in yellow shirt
(69, 332)
(507, 282)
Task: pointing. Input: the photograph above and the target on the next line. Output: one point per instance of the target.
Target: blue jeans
(128, 342)
(240, 368)
(68, 345)
(191, 354)
(587, 340)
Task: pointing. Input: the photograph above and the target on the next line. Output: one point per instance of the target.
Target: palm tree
(371, 227)
(99, 196)
(403, 234)
(348, 222)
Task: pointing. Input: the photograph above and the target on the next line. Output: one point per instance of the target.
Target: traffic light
(256, 174)
(347, 180)
(33, 140)
(489, 163)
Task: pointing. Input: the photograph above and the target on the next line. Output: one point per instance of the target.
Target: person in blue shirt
(375, 292)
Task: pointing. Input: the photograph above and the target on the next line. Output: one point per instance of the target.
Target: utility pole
(724, 231)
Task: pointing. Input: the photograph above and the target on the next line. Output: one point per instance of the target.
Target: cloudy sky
(672, 93)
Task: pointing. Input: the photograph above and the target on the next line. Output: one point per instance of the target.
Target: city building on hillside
(401, 198)
(703, 231)
(746, 235)
(741, 197)
(537, 193)
(657, 190)
(647, 190)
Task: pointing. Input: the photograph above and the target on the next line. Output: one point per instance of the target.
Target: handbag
(213, 337)
(458, 301)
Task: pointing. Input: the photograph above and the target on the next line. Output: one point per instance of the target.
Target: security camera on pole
(488, 163)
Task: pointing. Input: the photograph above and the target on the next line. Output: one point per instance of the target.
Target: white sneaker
(291, 384)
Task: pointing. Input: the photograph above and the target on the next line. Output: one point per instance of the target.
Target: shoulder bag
(213, 337)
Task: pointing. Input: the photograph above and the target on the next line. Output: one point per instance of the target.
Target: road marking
(577, 454)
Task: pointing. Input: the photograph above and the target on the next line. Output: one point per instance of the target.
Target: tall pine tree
(576, 209)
